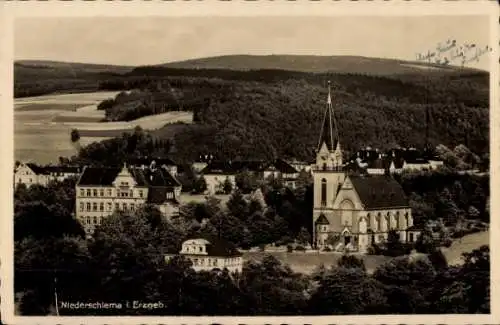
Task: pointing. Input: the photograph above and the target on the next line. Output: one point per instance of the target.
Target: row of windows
(212, 262)
(108, 193)
(88, 220)
(94, 206)
(394, 223)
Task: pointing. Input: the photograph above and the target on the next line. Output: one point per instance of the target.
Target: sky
(155, 40)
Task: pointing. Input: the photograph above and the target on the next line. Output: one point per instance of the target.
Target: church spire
(329, 133)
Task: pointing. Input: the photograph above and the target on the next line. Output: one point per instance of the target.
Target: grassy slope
(310, 63)
(64, 68)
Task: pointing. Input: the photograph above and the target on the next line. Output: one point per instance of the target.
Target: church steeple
(328, 134)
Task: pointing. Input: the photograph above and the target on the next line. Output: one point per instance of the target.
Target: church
(352, 212)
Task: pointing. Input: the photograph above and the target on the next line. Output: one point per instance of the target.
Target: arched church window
(346, 208)
(378, 222)
(323, 191)
(362, 226)
(368, 220)
(398, 215)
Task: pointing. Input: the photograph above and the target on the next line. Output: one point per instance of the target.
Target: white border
(10, 10)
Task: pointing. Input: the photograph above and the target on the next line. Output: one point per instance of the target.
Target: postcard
(256, 162)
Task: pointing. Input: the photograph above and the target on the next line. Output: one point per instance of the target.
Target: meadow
(42, 125)
(307, 262)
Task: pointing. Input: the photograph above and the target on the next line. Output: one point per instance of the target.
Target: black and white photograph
(250, 165)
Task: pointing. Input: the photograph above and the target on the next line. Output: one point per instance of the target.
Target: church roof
(322, 220)
(379, 192)
(328, 133)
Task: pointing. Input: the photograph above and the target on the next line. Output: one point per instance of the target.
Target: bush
(374, 250)
(447, 242)
(300, 248)
(289, 248)
(327, 249)
(262, 247)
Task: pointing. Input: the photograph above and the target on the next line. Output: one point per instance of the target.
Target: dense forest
(50, 249)
(243, 119)
(270, 113)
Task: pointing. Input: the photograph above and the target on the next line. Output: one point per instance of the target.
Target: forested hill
(266, 113)
(314, 64)
(35, 78)
(280, 115)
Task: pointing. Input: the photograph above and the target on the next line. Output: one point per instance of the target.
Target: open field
(307, 262)
(466, 245)
(46, 106)
(42, 125)
(151, 122)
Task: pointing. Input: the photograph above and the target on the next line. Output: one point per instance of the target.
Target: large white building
(101, 191)
(350, 212)
(208, 254)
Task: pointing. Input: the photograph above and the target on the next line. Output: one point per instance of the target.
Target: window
(200, 249)
(82, 192)
(124, 206)
(88, 206)
(89, 192)
(131, 193)
(117, 206)
(140, 193)
(88, 220)
(411, 237)
(118, 193)
(94, 206)
(101, 206)
(95, 220)
(132, 206)
(323, 191)
(95, 192)
(110, 193)
(101, 192)
(82, 206)
(110, 206)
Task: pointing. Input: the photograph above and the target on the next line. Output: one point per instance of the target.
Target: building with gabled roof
(352, 211)
(30, 173)
(209, 253)
(101, 191)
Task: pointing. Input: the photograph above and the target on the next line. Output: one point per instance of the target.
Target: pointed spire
(328, 132)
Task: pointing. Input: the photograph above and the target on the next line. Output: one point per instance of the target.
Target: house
(375, 162)
(283, 170)
(30, 173)
(202, 162)
(352, 212)
(101, 191)
(207, 254)
(216, 173)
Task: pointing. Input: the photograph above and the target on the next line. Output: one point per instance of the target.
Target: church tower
(328, 174)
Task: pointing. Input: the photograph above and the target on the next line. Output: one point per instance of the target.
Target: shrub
(300, 248)
(447, 242)
(289, 248)
(327, 249)
(262, 247)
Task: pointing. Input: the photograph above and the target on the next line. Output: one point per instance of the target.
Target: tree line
(124, 262)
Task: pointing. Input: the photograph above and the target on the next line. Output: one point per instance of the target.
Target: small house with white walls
(207, 254)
